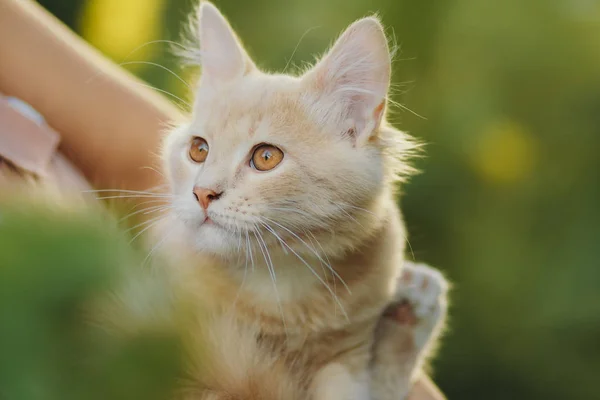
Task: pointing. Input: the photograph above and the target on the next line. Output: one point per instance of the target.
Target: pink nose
(204, 196)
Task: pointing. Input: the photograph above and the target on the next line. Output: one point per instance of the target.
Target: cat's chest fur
(305, 300)
(303, 319)
(299, 329)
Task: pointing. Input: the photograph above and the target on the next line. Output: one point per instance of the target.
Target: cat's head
(267, 159)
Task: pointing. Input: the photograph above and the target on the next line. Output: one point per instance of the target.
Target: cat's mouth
(212, 222)
(208, 221)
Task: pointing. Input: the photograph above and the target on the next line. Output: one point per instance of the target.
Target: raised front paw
(420, 300)
(408, 330)
(423, 287)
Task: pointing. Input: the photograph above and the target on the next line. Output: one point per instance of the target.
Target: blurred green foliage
(54, 267)
(506, 94)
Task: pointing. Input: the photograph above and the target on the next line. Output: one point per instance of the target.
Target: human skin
(110, 125)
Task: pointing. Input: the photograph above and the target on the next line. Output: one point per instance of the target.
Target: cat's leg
(408, 331)
(337, 382)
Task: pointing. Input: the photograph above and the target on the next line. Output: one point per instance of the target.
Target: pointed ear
(222, 55)
(353, 78)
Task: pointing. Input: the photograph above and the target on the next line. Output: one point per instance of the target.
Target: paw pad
(423, 289)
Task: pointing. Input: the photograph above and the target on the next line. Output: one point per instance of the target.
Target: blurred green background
(506, 94)
(57, 342)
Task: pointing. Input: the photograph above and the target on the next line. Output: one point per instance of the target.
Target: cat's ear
(353, 78)
(222, 56)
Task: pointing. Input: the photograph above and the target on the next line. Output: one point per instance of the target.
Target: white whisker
(296, 48)
(164, 202)
(346, 213)
(153, 42)
(315, 253)
(333, 295)
(358, 208)
(147, 210)
(154, 169)
(159, 66)
(156, 247)
(135, 196)
(292, 210)
(152, 223)
(323, 267)
(121, 191)
(271, 269)
(249, 247)
(243, 280)
(166, 92)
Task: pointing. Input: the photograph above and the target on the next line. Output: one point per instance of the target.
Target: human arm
(110, 126)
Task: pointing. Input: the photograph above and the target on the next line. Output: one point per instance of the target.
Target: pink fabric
(25, 143)
(29, 149)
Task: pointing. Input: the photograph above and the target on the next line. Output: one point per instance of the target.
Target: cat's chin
(213, 239)
(200, 235)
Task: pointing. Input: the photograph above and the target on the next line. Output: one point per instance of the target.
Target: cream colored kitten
(286, 223)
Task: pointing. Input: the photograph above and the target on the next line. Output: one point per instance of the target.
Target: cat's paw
(408, 330)
(424, 288)
(420, 300)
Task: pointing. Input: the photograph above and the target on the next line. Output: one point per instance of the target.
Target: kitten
(284, 213)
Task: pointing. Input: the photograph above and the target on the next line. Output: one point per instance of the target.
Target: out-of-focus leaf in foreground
(53, 266)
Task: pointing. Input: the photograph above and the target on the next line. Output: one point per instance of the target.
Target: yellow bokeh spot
(117, 27)
(505, 152)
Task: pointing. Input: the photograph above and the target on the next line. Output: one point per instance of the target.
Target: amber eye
(198, 150)
(266, 157)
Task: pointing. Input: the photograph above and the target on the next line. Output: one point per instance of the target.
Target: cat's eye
(198, 150)
(266, 157)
